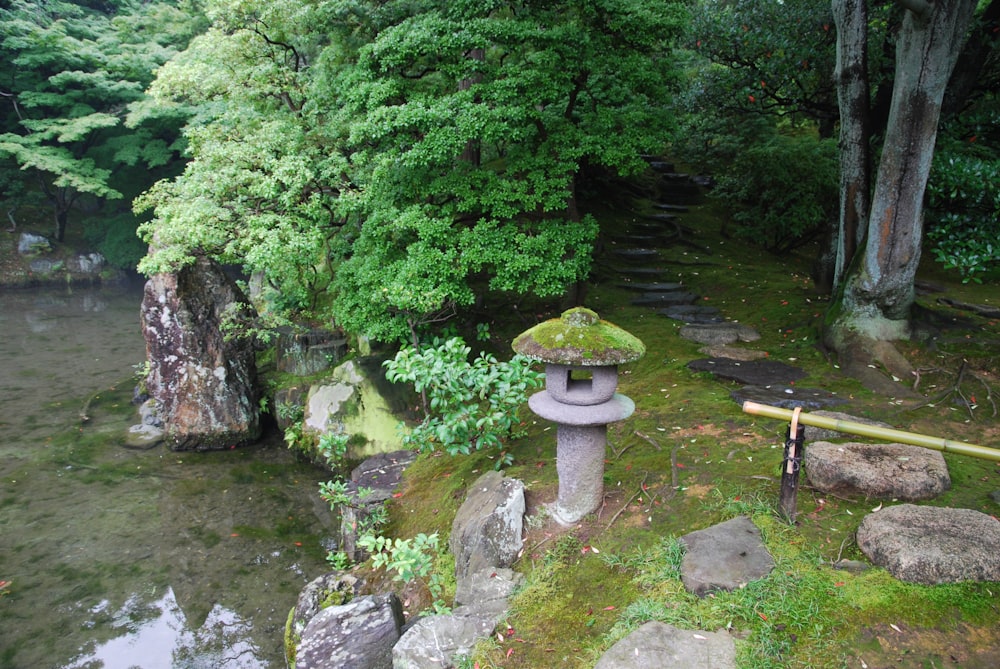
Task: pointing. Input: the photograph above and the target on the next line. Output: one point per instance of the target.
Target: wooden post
(790, 466)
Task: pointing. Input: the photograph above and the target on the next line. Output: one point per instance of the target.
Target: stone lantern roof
(580, 338)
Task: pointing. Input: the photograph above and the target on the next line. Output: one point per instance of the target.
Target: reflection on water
(133, 559)
(156, 634)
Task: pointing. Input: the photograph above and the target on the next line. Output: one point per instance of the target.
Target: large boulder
(356, 635)
(355, 399)
(334, 588)
(930, 545)
(204, 381)
(486, 532)
(437, 641)
(878, 471)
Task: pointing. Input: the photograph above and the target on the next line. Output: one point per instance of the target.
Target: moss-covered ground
(689, 457)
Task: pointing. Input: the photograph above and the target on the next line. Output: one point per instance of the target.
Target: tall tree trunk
(878, 286)
(851, 80)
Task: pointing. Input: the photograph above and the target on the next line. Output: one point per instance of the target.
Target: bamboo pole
(884, 433)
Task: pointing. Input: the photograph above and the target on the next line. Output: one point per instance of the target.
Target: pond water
(127, 559)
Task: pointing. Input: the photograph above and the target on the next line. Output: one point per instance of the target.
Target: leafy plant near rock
(410, 560)
(468, 406)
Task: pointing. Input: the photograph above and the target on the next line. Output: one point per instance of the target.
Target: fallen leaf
(698, 636)
(894, 627)
(510, 651)
(609, 608)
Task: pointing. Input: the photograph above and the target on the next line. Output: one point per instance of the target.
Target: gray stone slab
(637, 255)
(645, 272)
(719, 333)
(656, 645)
(655, 287)
(661, 299)
(787, 397)
(724, 557)
(692, 313)
(732, 352)
(930, 545)
(878, 471)
(753, 372)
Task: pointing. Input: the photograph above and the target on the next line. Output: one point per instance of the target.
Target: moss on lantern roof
(579, 337)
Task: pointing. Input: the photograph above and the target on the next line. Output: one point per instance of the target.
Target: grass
(689, 458)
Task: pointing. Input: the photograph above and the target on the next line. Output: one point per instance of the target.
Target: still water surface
(127, 559)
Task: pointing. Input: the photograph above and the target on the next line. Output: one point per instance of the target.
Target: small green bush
(469, 406)
(963, 214)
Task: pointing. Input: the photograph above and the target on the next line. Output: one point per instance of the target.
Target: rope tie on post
(792, 464)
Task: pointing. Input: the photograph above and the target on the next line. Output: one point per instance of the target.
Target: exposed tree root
(955, 393)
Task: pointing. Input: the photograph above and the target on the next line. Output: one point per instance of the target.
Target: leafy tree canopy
(72, 73)
(408, 156)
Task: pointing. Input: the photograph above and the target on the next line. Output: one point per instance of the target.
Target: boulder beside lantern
(581, 353)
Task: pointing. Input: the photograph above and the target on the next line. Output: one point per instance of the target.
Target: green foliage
(333, 448)
(765, 59)
(387, 163)
(964, 213)
(410, 560)
(74, 73)
(470, 406)
(782, 190)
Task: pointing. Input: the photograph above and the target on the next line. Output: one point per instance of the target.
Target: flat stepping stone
(719, 333)
(930, 545)
(787, 397)
(733, 353)
(638, 240)
(646, 272)
(661, 218)
(637, 255)
(692, 313)
(726, 556)
(662, 206)
(877, 471)
(754, 372)
(656, 287)
(657, 644)
(661, 299)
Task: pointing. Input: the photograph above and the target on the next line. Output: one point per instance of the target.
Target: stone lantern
(581, 353)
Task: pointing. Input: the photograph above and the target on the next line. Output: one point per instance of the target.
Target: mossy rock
(579, 337)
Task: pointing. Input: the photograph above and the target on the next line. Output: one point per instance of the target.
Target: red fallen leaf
(839, 584)
(762, 617)
(397, 495)
(680, 465)
(234, 534)
(628, 467)
(751, 98)
(520, 640)
(298, 543)
(609, 608)
(510, 631)
(510, 651)
(540, 465)
(585, 549)
(645, 487)
(736, 499)
(590, 611)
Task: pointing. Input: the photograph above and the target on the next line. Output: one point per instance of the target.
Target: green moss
(579, 337)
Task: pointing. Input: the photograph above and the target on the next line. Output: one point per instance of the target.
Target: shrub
(469, 406)
(782, 191)
(963, 199)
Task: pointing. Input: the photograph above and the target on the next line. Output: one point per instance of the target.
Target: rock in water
(204, 382)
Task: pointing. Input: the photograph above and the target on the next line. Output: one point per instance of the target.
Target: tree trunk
(877, 290)
(851, 80)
